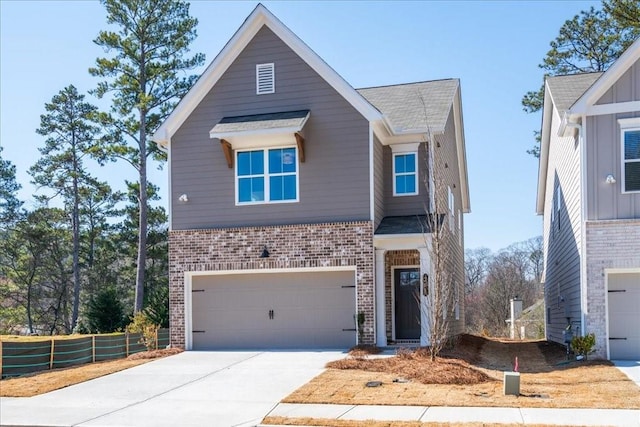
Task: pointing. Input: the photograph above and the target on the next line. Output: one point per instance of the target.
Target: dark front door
(407, 294)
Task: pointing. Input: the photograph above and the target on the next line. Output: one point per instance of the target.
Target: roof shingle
(414, 106)
(566, 90)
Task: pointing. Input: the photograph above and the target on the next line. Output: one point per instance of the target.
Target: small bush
(142, 324)
(583, 345)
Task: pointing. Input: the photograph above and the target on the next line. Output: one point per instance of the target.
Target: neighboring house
(589, 194)
(297, 203)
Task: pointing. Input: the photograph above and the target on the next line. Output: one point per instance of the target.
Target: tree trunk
(142, 218)
(76, 243)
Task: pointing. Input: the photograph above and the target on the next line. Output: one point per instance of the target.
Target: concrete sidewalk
(456, 415)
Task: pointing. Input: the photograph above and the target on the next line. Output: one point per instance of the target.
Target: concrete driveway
(188, 389)
(631, 368)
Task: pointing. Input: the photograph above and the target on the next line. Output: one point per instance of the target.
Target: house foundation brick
(610, 245)
(290, 246)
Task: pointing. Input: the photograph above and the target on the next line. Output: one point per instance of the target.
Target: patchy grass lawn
(46, 381)
(471, 375)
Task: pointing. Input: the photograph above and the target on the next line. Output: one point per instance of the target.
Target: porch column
(381, 333)
(425, 268)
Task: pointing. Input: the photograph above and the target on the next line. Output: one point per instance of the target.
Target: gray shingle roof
(282, 120)
(566, 90)
(412, 106)
(412, 224)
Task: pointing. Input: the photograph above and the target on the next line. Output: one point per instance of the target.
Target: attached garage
(624, 315)
(309, 309)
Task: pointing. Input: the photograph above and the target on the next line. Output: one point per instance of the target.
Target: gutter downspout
(582, 141)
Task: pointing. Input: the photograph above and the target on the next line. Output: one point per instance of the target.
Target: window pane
(632, 145)
(257, 189)
(289, 187)
(632, 176)
(275, 161)
(289, 160)
(257, 162)
(399, 164)
(410, 183)
(244, 163)
(410, 163)
(275, 187)
(400, 187)
(244, 190)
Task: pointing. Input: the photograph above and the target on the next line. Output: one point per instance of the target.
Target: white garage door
(274, 310)
(624, 316)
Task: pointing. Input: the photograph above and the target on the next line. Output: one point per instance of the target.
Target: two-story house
(298, 204)
(589, 194)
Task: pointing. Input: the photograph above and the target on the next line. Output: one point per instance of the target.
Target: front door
(407, 295)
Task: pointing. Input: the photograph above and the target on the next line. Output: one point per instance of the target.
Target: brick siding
(290, 247)
(610, 244)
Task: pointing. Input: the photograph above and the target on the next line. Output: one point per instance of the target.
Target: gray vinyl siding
(626, 89)
(334, 180)
(562, 236)
(404, 205)
(378, 181)
(604, 154)
(451, 177)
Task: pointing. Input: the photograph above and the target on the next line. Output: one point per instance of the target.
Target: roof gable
(573, 96)
(259, 18)
(608, 79)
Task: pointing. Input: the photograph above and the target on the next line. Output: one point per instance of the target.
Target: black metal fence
(23, 357)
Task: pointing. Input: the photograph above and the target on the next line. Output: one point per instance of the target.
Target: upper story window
(451, 201)
(267, 176)
(631, 160)
(405, 174)
(265, 79)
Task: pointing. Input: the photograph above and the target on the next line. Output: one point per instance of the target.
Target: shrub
(583, 345)
(105, 312)
(142, 324)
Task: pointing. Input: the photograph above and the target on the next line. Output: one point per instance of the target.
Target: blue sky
(493, 47)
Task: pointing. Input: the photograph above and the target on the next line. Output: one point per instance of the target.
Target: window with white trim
(558, 205)
(405, 174)
(267, 176)
(451, 200)
(631, 160)
(459, 227)
(265, 78)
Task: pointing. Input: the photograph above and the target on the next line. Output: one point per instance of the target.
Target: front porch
(403, 267)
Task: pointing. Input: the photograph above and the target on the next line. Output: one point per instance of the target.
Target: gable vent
(265, 79)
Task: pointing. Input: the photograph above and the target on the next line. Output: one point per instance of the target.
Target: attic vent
(265, 79)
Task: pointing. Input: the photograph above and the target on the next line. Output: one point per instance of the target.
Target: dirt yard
(471, 374)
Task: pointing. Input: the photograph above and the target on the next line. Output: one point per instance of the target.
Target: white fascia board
(543, 163)
(608, 79)
(614, 108)
(229, 136)
(461, 150)
(256, 20)
(395, 242)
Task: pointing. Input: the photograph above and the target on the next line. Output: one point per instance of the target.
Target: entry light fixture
(610, 179)
(265, 252)
(183, 198)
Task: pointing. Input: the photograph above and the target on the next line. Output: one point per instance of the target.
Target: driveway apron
(188, 389)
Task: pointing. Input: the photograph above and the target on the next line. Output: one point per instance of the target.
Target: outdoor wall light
(183, 198)
(610, 179)
(265, 253)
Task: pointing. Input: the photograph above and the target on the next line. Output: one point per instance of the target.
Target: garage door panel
(624, 315)
(309, 310)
